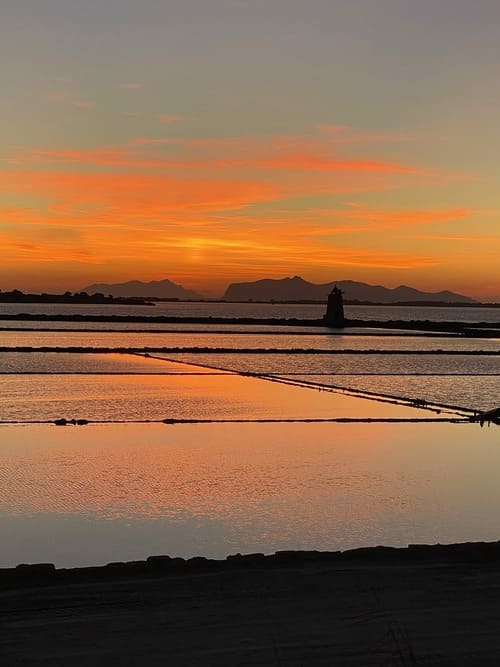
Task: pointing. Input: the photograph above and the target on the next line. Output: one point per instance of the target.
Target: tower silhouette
(334, 316)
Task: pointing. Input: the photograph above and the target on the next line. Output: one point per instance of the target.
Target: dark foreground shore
(436, 605)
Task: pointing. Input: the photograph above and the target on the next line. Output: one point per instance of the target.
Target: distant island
(16, 296)
(296, 288)
(156, 289)
(285, 290)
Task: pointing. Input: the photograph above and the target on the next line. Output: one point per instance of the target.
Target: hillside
(162, 289)
(298, 289)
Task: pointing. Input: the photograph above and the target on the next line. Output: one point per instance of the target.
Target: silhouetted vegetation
(16, 296)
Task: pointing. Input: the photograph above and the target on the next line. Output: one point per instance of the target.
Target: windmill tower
(334, 316)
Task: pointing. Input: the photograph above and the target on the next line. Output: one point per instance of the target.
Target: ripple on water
(78, 496)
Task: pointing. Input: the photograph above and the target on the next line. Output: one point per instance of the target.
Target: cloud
(144, 195)
(62, 97)
(461, 238)
(250, 206)
(387, 219)
(319, 162)
(132, 85)
(229, 154)
(69, 99)
(332, 128)
(343, 134)
(174, 118)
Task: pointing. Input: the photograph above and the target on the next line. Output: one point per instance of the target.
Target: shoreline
(165, 565)
(420, 605)
(424, 327)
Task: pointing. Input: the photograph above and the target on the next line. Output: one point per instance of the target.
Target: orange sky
(114, 173)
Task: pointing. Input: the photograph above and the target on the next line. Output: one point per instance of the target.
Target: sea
(262, 310)
(124, 439)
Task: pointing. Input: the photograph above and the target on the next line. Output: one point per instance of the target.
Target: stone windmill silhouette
(334, 316)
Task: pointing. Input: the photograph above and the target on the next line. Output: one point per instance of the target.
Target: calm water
(466, 391)
(89, 494)
(471, 382)
(264, 310)
(140, 397)
(346, 364)
(80, 496)
(398, 373)
(241, 341)
(183, 327)
(105, 363)
(266, 363)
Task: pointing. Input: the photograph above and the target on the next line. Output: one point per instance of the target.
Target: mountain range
(161, 289)
(285, 289)
(298, 289)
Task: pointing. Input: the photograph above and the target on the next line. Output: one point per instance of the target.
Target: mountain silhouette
(298, 289)
(162, 289)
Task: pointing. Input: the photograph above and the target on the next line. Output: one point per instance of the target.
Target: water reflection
(263, 310)
(466, 391)
(467, 381)
(106, 362)
(156, 397)
(346, 364)
(87, 495)
(240, 341)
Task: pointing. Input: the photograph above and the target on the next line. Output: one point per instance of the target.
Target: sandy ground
(359, 611)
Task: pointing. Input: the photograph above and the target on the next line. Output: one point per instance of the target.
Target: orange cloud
(453, 237)
(246, 207)
(187, 236)
(317, 162)
(130, 85)
(139, 194)
(70, 99)
(281, 156)
(332, 128)
(342, 134)
(383, 219)
(30, 253)
(173, 118)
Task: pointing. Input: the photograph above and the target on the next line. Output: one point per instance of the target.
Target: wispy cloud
(230, 154)
(460, 238)
(332, 128)
(174, 118)
(143, 195)
(130, 85)
(343, 134)
(70, 99)
(387, 219)
(248, 205)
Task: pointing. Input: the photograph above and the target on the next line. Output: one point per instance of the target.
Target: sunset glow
(229, 141)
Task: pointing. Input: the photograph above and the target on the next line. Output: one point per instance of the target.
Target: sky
(218, 141)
